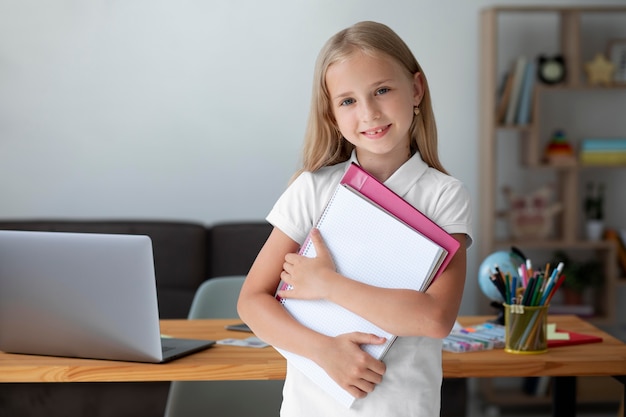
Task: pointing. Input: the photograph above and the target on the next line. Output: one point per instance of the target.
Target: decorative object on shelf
(559, 151)
(600, 70)
(551, 69)
(594, 211)
(603, 151)
(531, 215)
(579, 276)
(617, 56)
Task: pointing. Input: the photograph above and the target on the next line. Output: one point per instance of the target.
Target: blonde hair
(323, 143)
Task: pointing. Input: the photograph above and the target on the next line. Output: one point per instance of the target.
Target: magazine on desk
(371, 245)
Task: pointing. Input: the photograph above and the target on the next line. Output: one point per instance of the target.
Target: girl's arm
(433, 311)
(341, 357)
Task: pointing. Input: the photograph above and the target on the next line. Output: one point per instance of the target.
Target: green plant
(580, 275)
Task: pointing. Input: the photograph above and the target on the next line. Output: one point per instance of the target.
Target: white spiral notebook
(369, 245)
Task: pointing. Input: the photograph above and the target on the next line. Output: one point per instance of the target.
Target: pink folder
(362, 181)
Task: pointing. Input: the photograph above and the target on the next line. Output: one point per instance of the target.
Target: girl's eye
(382, 90)
(347, 102)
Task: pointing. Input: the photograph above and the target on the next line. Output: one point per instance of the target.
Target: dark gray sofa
(185, 255)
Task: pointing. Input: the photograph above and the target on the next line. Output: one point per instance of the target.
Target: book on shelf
(603, 144)
(370, 245)
(602, 158)
(526, 95)
(505, 98)
(518, 78)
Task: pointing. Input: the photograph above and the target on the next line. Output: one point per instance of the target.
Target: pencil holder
(525, 329)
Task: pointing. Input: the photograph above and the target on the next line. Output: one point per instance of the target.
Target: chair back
(217, 298)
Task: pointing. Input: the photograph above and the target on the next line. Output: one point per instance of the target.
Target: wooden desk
(236, 363)
(597, 359)
(607, 358)
(216, 363)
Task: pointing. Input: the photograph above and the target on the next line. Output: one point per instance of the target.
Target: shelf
(508, 32)
(579, 87)
(509, 396)
(557, 9)
(518, 128)
(569, 166)
(556, 244)
(600, 166)
(591, 390)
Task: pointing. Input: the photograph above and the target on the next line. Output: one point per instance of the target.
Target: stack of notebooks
(484, 336)
(488, 335)
(375, 237)
(599, 151)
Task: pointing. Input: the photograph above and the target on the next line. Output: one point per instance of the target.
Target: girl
(370, 105)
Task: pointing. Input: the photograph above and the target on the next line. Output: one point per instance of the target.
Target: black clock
(551, 70)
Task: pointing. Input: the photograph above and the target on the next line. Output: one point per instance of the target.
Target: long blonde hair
(323, 143)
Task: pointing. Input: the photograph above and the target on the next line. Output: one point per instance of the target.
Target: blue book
(518, 78)
(599, 144)
(526, 94)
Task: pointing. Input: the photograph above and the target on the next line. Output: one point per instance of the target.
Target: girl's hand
(352, 368)
(309, 278)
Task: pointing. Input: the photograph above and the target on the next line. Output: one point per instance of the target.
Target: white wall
(195, 110)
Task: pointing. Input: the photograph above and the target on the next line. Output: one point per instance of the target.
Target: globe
(507, 261)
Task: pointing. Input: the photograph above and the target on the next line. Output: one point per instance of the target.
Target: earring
(416, 110)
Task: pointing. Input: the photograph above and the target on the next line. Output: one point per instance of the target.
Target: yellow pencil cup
(525, 329)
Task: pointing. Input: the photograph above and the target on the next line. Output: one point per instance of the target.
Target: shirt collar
(406, 176)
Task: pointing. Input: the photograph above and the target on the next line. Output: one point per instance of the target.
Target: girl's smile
(376, 132)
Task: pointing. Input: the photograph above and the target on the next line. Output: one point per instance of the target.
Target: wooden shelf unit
(531, 139)
(567, 223)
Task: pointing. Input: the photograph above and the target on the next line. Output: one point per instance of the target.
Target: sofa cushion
(233, 247)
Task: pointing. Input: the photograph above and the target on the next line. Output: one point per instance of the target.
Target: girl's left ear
(418, 88)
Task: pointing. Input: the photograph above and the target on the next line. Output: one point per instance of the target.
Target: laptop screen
(78, 294)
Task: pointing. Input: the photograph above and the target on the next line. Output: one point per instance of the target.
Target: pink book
(362, 181)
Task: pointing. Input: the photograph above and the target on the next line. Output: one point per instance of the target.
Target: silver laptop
(83, 295)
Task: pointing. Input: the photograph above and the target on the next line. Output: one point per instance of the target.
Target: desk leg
(564, 396)
(622, 408)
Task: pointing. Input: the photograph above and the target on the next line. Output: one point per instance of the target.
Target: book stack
(515, 101)
(600, 151)
(379, 239)
(483, 336)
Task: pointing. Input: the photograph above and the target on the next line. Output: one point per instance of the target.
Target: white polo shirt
(412, 383)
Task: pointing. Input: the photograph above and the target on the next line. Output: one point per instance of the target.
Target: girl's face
(372, 100)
